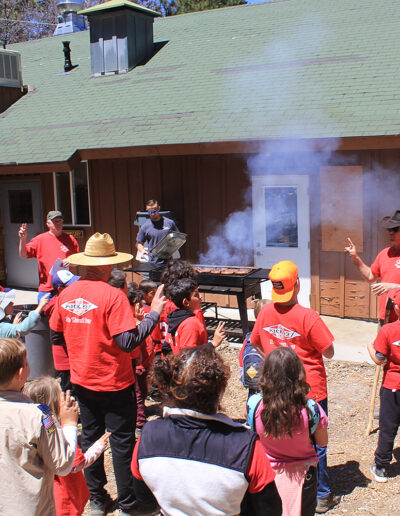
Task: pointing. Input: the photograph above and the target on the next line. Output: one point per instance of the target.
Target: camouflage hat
(54, 214)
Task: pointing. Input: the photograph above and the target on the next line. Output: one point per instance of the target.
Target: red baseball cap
(284, 277)
(394, 295)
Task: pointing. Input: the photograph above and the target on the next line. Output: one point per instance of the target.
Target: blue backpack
(312, 408)
(252, 365)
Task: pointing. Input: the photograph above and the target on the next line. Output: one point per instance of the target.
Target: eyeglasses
(152, 212)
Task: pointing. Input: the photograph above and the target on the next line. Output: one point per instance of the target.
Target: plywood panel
(341, 194)
(357, 299)
(330, 297)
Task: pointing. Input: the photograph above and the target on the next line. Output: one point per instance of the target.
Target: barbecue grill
(242, 282)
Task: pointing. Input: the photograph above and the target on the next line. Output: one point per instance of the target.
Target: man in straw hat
(96, 323)
(385, 267)
(286, 323)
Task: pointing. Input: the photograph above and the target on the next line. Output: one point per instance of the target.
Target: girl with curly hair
(289, 426)
(195, 460)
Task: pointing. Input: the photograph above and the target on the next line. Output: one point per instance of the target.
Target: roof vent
(10, 68)
(68, 19)
(121, 36)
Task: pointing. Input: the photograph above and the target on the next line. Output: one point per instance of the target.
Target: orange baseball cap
(284, 277)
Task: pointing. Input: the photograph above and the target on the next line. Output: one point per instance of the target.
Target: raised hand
(351, 249)
(219, 335)
(159, 300)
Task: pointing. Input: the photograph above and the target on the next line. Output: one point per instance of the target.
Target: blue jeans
(324, 487)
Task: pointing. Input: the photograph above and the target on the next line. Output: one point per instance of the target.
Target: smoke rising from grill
(291, 116)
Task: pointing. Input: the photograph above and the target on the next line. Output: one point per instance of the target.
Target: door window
(281, 216)
(20, 206)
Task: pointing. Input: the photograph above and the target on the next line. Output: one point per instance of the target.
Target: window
(71, 190)
(281, 216)
(20, 204)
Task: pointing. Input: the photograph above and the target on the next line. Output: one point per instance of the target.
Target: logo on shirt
(280, 332)
(64, 248)
(397, 263)
(397, 343)
(79, 306)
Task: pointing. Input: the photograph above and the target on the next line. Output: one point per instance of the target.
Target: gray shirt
(154, 231)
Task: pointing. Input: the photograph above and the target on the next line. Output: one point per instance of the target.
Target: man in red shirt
(286, 323)
(387, 347)
(47, 247)
(386, 266)
(96, 323)
(185, 330)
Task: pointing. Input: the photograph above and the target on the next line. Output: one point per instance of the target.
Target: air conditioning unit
(10, 68)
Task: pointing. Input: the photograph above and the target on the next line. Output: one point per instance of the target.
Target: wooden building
(251, 110)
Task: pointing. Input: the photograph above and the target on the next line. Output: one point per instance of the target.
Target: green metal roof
(118, 4)
(299, 68)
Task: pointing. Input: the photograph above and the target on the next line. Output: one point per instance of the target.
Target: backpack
(314, 414)
(252, 365)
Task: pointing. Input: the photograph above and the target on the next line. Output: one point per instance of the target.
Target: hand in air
(18, 318)
(23, 230)
(351, 249)
(69, 411)
(104, 440)
(159, 300)
(219, 335)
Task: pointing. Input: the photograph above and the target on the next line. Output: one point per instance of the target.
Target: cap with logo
(394, 295)
(284, 278)
(63, 278)
(391, 221)
(54, 214)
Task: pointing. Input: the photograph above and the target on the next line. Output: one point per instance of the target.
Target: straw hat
(99, 250)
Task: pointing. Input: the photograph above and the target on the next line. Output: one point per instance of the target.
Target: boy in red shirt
(387, 347)
(185, 329)
(286, 323)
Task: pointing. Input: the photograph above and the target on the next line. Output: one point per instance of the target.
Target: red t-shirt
(71, 492)
(60, 357)
(301, 329)
(388, 343)
(190, 334)
(89, 313)
(46, 248)
(386, 266)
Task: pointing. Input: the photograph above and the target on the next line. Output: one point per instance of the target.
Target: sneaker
(102, 508)
(379, 474)
(326, 504)
(141, 509)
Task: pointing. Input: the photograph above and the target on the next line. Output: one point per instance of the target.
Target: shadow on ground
(346, 477)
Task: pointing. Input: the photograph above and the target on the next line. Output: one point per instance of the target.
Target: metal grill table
(242, 286)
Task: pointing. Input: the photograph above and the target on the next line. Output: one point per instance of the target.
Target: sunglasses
(394, 230)
(152, 212)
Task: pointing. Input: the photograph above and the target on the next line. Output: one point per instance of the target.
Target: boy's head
(175, 270)
(149, 289)
(117, 279)
(14, 368)
(63, 278)
(284, 276)
(135, 297)
(258, 304)
(185, 294)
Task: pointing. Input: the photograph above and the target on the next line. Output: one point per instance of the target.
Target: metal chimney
(68, 19)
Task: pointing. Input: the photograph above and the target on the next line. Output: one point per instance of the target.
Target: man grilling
(153, 230)
(385, 267)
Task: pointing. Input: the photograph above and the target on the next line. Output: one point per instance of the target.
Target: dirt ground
(350, 452)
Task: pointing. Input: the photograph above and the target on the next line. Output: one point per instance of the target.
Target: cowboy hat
(99, 250)
(5, 299)
(391, 222)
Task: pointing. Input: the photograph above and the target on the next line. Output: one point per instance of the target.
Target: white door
(281, 226)
(20, 201)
